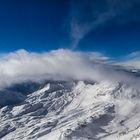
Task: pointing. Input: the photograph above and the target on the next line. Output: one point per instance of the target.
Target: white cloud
(59, 65)
(132, 60)
(134, 64)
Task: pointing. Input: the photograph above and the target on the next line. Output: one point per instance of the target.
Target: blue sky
(108, 26)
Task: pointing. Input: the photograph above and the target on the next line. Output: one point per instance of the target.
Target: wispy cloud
(132, 60)
(87, 15)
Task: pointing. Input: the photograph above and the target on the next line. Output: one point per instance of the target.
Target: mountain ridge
(71, 110)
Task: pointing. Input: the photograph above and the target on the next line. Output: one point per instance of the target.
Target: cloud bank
(87, 15)
(60, 64)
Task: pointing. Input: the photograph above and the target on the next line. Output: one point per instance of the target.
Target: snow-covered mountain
(70, 110)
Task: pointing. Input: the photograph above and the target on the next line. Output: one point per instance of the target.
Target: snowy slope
(71, 110)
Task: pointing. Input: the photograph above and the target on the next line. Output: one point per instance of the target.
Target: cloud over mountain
(59, 65)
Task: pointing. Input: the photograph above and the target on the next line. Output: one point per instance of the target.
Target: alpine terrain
(70, 110)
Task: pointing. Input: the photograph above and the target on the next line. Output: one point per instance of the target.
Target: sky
(111, 27)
